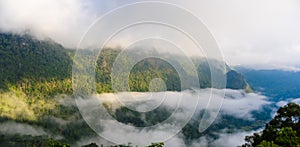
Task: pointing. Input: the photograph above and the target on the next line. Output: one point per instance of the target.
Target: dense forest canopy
(283, 130)
(44, 68)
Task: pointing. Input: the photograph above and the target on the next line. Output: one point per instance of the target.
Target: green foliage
(157, 115)
(267, 144)
(33, 72)
(128, 116)
(26, 61)
(235, 80)
(75, 130)
(140, 119)
(287, 137)
(44, 68)
(30, 141)
(151, 68)
(160, 144)
(91, 145)
(283, 129)
(53, 143)
(14, 106)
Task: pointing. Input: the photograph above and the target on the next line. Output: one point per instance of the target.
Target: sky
(257, 33)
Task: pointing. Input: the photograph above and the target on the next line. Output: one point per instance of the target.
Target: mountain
(29, 64)
(36, 89)
(46, 67)
(276, 84)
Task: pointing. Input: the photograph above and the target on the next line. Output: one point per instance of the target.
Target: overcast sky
(258, 33)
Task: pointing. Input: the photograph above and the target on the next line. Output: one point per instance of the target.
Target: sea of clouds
(235, 103)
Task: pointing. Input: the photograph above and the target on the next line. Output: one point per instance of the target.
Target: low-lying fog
(184, 105)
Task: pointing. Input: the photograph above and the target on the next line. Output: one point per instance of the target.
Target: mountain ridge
(35, 73)
(26, 60)
(277, 84)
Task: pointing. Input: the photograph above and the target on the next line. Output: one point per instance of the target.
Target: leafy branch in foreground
(282, 130)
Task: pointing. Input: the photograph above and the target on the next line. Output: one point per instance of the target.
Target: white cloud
(259, 32)
(255, 32)
(22, 129)
(282, 103)
(240, 104)
(63, 21)
(231, 139)
(237, 103)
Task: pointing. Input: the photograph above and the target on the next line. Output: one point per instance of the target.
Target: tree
(160, 144)
(287, 137)
(91, 145)
(283, 129)
(267, 144)
(52, 143)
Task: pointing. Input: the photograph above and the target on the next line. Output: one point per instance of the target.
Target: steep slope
(25, 57)
(235, 80)
(27, 63)
(33, 72)
(44, 68)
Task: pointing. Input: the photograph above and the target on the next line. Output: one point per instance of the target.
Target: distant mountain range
(276, 84)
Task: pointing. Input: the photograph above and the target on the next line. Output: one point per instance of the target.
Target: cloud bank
(244, 103)
(236, 103)
(62, 21)
(262, 36)
(22, 129)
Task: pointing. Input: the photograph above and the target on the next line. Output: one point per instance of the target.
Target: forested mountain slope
(44, 68)
(35, 76)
